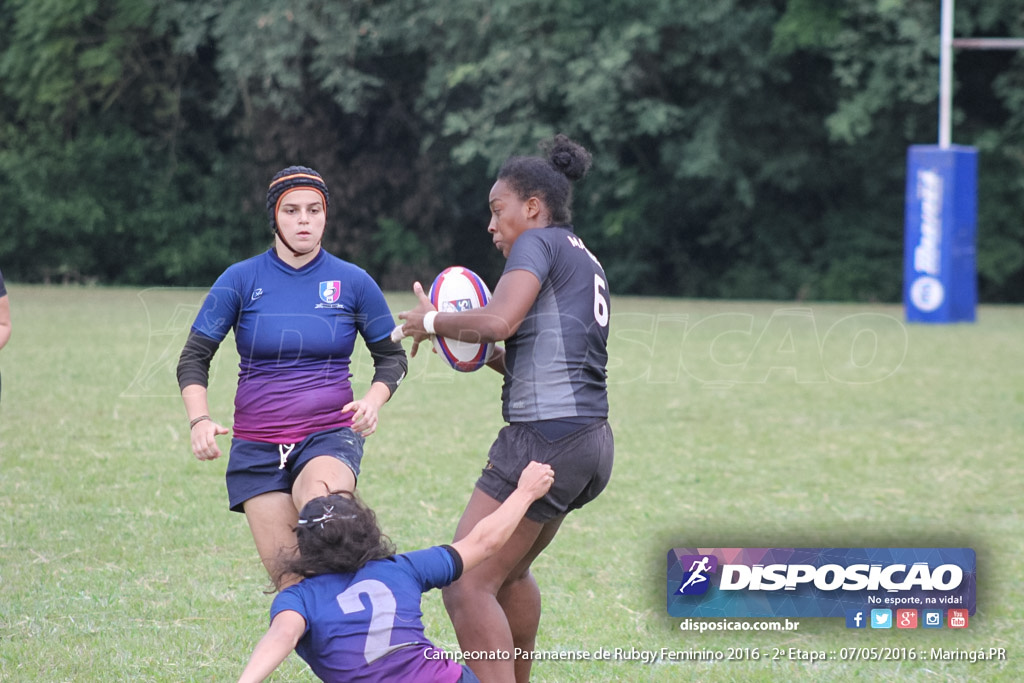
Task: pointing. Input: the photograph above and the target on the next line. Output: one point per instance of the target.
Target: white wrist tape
(428, 322)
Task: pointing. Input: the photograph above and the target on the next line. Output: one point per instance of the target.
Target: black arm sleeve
(457, 559)
(194, 362)
(389, 363)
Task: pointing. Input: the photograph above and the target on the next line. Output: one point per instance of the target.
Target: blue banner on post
(939, 280)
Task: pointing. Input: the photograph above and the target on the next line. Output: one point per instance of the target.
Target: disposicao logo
(818, 582)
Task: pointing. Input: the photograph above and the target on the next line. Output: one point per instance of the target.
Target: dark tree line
(743, 148)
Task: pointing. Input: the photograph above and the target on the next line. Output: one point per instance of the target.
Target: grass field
(738, 424)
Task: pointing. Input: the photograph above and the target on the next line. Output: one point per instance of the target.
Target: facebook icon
(855, 618)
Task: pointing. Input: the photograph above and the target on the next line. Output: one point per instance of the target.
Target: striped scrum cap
(291, 178)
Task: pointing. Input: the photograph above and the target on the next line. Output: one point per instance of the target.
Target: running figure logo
(695, 580)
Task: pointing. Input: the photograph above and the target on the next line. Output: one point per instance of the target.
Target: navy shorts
(582, 461)
(255, 467)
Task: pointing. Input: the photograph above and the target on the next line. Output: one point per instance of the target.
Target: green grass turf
(737, 424)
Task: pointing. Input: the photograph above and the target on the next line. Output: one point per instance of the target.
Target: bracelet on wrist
(428, 322)
(193, 422)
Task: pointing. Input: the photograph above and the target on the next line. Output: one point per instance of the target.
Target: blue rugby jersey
(368, 626)
(556, 362)
(295, 330)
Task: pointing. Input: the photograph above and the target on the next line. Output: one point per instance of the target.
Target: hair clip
(327, 516)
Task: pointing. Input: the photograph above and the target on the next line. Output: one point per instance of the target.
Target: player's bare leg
(322, 475)
(520, 599)
(271, 518)
(480, 620)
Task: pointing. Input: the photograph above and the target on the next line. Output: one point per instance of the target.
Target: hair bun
(569, 157)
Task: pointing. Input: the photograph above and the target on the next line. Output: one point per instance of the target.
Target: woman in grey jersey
(551, 308)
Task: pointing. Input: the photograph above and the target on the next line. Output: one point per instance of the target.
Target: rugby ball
(458, 289)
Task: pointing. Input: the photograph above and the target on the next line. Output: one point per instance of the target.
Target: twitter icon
(881, 618)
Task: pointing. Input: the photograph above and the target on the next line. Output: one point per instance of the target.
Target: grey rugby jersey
(556, 364)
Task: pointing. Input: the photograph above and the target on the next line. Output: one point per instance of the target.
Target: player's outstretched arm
(494, 530)
(275, 645)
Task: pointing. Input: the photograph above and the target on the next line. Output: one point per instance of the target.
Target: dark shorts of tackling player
(255, 467)
(582, 462)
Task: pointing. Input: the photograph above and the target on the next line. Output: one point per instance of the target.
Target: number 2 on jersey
(382, 615)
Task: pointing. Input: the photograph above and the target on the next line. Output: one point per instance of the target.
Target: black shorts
(255, 467)
(582, 462)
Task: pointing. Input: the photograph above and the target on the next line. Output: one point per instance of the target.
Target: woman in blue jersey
(551, 308)
(5, 314)
(295, 311)
(356, 614)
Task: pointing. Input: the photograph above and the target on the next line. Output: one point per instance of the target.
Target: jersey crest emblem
(330, 291)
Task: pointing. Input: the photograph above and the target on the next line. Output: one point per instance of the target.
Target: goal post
(941, 204)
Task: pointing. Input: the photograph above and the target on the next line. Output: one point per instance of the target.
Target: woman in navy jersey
(295, 311)
(551, 308)
(356, 614)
